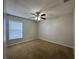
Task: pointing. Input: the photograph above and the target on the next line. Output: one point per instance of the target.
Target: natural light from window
(15, 29)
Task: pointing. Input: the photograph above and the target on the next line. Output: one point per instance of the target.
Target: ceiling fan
(42, 16)
(39, 16)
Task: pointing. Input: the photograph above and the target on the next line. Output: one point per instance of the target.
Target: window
(15, 29)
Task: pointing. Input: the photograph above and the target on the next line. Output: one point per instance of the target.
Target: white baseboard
(58, 43)
(20, 42)
(41, 39)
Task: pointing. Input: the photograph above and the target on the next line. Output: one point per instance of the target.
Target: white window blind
(15, 29)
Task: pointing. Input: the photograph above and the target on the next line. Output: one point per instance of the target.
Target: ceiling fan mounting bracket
(38, 14)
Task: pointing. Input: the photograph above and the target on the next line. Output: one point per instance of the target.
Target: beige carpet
(39, 49)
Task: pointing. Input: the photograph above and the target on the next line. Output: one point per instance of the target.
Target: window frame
(15, 18)
(22, 29)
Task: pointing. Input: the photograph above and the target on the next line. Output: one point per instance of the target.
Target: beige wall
(29, 28)
(58, 30)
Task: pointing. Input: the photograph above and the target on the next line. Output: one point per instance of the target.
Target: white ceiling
(52, 8)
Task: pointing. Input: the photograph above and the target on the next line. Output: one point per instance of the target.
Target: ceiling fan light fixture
(37, 18)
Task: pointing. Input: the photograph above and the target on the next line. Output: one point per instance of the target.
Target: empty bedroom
(39, 29)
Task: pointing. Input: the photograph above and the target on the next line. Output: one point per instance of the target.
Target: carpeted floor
(39, 49)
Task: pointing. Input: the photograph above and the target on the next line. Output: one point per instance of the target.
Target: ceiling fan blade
(43, 18)
(33, 14)
(31, 17)
(43, 15)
